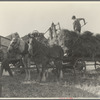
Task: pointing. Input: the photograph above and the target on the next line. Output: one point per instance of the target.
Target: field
(87, 86)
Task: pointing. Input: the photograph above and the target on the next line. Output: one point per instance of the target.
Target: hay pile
(85, 44)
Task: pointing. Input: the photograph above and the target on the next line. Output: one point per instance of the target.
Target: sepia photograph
(49, 49)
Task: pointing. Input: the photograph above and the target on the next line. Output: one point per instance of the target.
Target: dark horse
(20, 47)
(4, 63)
(43, 55)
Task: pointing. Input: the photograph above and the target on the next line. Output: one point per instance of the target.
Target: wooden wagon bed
(4, 43)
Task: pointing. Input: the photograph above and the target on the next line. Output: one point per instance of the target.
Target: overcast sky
(24, 17)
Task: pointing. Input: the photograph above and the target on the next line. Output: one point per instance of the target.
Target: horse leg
(44, 68)
(60, 70)
(1, 70)
(47, 68)
(61, 74)
(37, 67)
(28, 70)
(56, 71)
(57, 74)
(47, 73)
(10, 72)
(21, 63)
(43, 73)
(39, 72)
(24, 63)
(5, 65)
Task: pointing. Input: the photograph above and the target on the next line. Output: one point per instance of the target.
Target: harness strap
(25, 49)
(17, 44)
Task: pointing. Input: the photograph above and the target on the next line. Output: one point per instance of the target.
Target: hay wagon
(4, 43)
(79, 64)
(75, 64)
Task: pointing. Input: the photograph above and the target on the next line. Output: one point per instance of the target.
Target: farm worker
(76, 24)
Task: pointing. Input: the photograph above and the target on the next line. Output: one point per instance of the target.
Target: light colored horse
(20, 47)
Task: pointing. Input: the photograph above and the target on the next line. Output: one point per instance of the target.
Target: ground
(71, 86)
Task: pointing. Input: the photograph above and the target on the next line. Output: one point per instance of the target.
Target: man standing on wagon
(77, 25)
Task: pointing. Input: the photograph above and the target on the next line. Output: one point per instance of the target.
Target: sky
(24, 17)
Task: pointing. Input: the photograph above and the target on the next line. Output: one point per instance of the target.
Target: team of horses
(44, 56)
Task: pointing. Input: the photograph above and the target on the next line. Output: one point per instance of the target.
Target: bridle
(15, 44)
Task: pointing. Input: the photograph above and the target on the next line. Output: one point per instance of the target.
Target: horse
(20, 47)
(4, 63)
(44, 55)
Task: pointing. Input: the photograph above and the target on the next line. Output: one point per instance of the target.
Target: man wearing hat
(76, 24)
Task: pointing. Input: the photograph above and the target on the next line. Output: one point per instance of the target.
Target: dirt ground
(71, 86)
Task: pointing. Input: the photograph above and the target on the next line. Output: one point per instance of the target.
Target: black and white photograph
(50, 49)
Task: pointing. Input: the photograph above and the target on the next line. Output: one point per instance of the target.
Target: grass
(70, 87)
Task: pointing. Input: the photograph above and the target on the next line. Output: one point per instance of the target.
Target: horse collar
(25, 49)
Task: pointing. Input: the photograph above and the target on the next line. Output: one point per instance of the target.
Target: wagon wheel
(79, 66)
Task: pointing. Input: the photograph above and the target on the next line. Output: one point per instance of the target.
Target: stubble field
(71, 86)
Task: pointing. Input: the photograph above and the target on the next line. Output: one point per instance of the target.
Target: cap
(73, 17)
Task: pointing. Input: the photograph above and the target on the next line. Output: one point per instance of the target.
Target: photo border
(48, 1)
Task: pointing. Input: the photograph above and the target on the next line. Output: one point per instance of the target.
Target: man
(76, 24)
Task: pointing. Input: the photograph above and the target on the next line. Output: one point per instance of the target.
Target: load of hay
(86, 44)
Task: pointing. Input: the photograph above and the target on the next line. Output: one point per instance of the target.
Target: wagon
(75, 64)
(79, 64)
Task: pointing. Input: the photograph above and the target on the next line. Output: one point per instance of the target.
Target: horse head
(14, 45)
(31, 44)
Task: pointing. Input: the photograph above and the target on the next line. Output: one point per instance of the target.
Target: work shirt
(77, 25)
